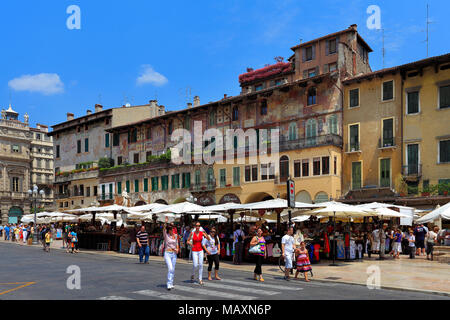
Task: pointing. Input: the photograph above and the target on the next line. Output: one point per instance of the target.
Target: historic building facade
(15, 161)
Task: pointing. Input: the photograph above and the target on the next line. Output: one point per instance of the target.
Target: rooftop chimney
(196, 101)
(189, 105)
(70, 116)
(354, 27)
(225, 96)
(98, 108)
(89, 112)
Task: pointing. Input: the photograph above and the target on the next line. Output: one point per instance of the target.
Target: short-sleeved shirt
(210, 245)
(288, 242)
(143, 237)
(411, 237)
(238, 233)
(431, 236)
(420, 233)
(170, 243)
(398, 236)
(74, 237)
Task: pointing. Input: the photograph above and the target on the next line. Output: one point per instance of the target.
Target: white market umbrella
(225, 207)
(274, 204)
(383, 211)
(183, 207)
(217, 217)
(441, 212)
(145, 208)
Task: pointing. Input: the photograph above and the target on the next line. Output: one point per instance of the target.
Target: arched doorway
(321, 197)
(303, 196)
(15, 214)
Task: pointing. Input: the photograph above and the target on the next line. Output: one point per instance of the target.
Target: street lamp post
(34, 195)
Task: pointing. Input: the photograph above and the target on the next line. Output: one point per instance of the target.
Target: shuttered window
(444, 151)
(388, 90)
(356, 175)
(385, 173)
(354, 98)
(444, 97)
(413, 102)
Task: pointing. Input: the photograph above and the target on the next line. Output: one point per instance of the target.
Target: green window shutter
(356, 175)
(444, 97)
(223, 177)
(119, 187)
(136, 185)
(128, 186)
(388, 132)
(444, 151)
(413, 158)
(354, 137)
(145, 185)
(385, 172)
(86, 145)
(236, 176)
(107, 140)
(413, 102)
(103, 192)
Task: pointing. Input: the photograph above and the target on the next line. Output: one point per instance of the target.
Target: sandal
(261, 279)
(192, 279)
(200, 282)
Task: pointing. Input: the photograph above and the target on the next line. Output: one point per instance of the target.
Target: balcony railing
(76, 176)
(205, 186)
(62, 195)
(105, 196)
(353, 147)
(14, 195)
(386, 143)
(43, 181)
(412, 170)
(323, 140)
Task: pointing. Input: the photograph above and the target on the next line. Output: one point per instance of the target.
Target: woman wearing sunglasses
(196, 239)
(212, 248)
(171, 249)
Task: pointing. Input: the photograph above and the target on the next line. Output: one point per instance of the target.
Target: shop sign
(230, 197)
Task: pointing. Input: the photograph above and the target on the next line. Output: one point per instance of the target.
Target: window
(325, 165)
(263, 171)
(95, 191)
(388, 90)
(308, 53)
(284, 168)
(78, 146)
(271, 170)
(15, 184)
(335, 165)
(170, 127)
(223, 177)
(132, 136)
(311, 96)
(444, 151)
(212, 118)
(297, 168)
(175, 181)
(235, 114)
(332, 124)
(385, 173)
(293, 131)
(412, 99)
(187, 123)
(412, 155)
(57, 151)
(388, 132)
(155, 183)
(186, 180)
(259, 87)
(136, 158)
(106, 140)
(210, 176)
(254, 173)
(136, 185)
(332, 67)
(305, 167)
(119, 161)
(263, 107)
(354, 137)
(331, 46)
(248, 170)
(444, 97)
(312, 72)
(356, 175)
(116, 139)
(316, 166)
(354, 98)
(311, 132)
(148, 133)
(86, 145)
(127, 186)
(88, 191)
(236, 176)
(81, 190)
(165, 183)
(15, 148)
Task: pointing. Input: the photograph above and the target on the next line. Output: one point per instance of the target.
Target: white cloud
(45, 83)
(148, 75)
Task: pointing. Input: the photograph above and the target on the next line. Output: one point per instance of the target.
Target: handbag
(256, 249)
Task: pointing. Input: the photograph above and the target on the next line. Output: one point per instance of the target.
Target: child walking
(412, 244)
(48, 240)
(303, 264)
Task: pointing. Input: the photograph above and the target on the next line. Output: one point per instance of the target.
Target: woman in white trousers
(171, 249)
(196, 239)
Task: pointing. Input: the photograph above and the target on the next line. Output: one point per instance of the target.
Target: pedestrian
(303, 264)
(196, 239)
(375, 241)
(73, 240)
(25, 234)
(287, 249)
(44, 230)
(1, 230)
(171, 249)
(212, 249)
(412, 246)
(383, 235)
(16, 233)
(142, 241)
(133, 233)
(259, 241)
(7, 230)
(420, 233)
(431, 241)
(238, 241)
(48, 240)
(397, 244)
(187, 233)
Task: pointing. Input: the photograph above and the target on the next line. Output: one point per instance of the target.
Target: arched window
(293, 131)
(312, 96)
(332, 124)
(321, 197)
(311, 132)
(284, 168)
(235, 114)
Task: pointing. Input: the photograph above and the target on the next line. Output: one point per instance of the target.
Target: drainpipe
(342, 124)
(401, 122)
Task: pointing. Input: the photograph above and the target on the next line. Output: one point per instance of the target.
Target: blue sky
(133, 51)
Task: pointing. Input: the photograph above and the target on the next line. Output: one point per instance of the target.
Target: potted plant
(401, 186)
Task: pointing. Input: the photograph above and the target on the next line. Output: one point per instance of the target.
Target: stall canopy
(219, 218)
(110, 208)
(383, 211)
(441, 212)
(145, 208)
(275, 204)
(337, 209)
(183, 207)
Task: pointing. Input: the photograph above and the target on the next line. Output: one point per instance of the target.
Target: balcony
(62, 195)
(387, 143)
(203, 187)
(353, 148)
(317, 141)
(70, 176)
(43, 181)
(412, 172)
(14, 195)
(105, 196)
